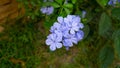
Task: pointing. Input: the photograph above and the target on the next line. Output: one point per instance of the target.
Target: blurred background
(24, 29)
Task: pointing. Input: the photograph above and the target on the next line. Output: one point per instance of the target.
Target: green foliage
(104, 24)
(86, 31)
(102, 3)
(55, 5)
(106, 56)
(116, 38)
(31, 8)
(116, 13)
(17, 45)
(74, 1)
(59, 1)
(68, 5)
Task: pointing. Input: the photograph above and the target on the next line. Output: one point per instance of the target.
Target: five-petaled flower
(54, 40)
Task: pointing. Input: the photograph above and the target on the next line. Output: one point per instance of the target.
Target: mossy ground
(22, 45)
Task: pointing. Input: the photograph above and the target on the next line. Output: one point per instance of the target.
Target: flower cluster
(113, 2)
(47, 9)
(65, 32)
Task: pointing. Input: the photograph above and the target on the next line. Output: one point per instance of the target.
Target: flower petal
(76, 19)
(72, 31)
(80, 35)
(60, 19)
(74, 40)
(66, 20)
(83, 13)
(48, 42)
(58, 45)
(59, 36)
(50, 10)
(81, 25)
(52, 47)
(43, 10)
(67, 42)
(53, 36)
(74, 24)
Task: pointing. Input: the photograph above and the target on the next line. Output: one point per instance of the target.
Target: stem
(61, 9)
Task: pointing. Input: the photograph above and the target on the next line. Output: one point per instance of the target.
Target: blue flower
(55, 27)
(81, 25)
(47, 10)
(43, 10)
(113, 2)
(83, 14)
(60, 20)
(50, 10)
(54, 40)
(72, 23)
(79, 35)
(118, 0)
(63, 28)
(69, 40)
(69, 18)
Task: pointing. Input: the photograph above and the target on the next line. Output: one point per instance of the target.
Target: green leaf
(78, 12)
(116, 13)
(55, 5)
(67, 10)
(106, 56)
(48, 24)
(89, 16)
(47, 4)
(68, 5)
(102, 3)
(59, 1)
(104, 24)
(116, 38)
(33, 3)
(86, 30)
(74, 1)
(63, 13)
